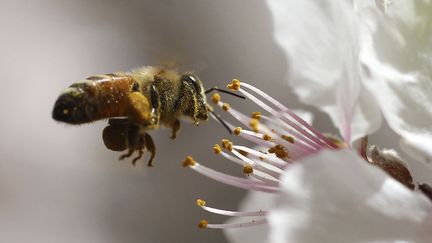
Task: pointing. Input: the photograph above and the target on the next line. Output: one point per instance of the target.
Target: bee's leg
(135, 141)
(175, 128)
(140, 154)
(150, 146)
(127, 155)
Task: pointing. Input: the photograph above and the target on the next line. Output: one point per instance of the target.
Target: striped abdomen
(95, 98)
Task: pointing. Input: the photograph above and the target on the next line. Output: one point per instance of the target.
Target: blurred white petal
(353, 60)
(399, 57)
(324, 67)
(418, 147)
(336, 197)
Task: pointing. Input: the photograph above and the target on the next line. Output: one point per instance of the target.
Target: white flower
(356, 60)
(316, 186)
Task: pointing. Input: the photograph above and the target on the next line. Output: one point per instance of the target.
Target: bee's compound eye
(115, 137)
(192, 80)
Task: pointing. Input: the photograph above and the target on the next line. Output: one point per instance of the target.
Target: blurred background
(58, 183)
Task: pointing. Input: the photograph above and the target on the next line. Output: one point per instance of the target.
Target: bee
(134, 103)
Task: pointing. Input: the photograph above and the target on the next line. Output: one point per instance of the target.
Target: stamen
(287, 120)
(267, 137)
(255, 138)
(203, 224)
(236, 225)
(289, 139)
(306, 144)
(237, 131)
(253, 123)
(256, 115)
(270, 160)
(234, 181)
(215, 98)
(290, 113)
(189, 161)
(279, 150)
(248, 170)
(298, 150)
(234, 85)
(227, 144)
(201, 203)
(245, 120)
(225, 106)
(217, 149)
(262, 173)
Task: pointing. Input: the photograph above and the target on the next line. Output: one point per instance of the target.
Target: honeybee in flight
(134, 103)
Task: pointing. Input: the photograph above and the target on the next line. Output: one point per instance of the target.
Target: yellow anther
(237, 130)
(203, 224)
(289, 139)
(227, 144)
(217, 149)
(256, 115)
(247, 169)
(65, 111)
(280, 153)
(254, 124)
(215, 98)
(279, 150)
(189, 161)
(225, 106)
(266, 137)
(234, 85)
(200, 202)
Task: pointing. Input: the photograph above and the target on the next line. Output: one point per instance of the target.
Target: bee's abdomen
(97, 97)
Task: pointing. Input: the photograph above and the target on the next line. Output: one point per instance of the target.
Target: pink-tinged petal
(336, 196)
(398, 55)
(320, 40)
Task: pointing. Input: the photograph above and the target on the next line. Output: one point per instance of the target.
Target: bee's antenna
(217, 117)
(224, 91)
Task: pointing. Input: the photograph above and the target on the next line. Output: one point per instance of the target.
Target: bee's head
(201, 112)
(70, 106)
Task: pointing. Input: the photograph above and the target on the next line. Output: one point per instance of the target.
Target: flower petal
(321, 43)
(336, 196)
(399, 58)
